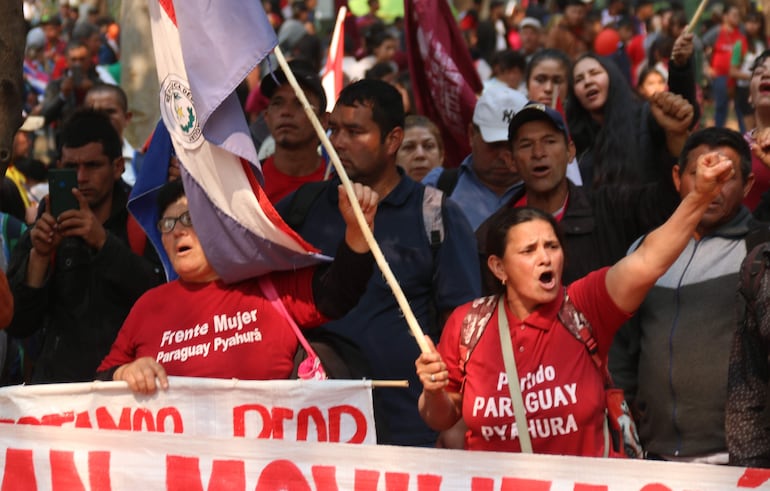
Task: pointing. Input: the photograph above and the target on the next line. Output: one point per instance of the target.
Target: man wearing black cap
(598, 227)
(296, 159)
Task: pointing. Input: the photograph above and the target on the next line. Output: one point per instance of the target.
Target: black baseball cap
(536, 111)
(306, 76)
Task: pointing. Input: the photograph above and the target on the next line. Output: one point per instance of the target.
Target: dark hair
(32, 168)
(90, 126)
(755, 16)
(714, 137)
(509, 59)
(169, 194)
(486, 40)
(497, 235)
(678, 19)
(383, 99)
(646, 73)
(83, 31)
(380, 70)
(543, 55)
(309, 49)
(614, 143)
(114, 89)
(660, 50)
(760, 60)
(74, 44)
(404, 80)
(377, 35)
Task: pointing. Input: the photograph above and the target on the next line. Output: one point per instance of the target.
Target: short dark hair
(509, 59)
(759, 60)
(376, 35)
(114, 89)
(74, 44)
(83, 31)
(383, 99)
(714, 137)
(90, 126)
(169, 194)
(380, 70)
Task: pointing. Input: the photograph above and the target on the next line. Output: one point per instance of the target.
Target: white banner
(338, 411)
(63, 459)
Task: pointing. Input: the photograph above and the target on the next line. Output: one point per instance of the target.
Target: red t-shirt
(636, 54)
(562, 388)
(558, 215)
(217, 330)
(279, 185)
(723, 50)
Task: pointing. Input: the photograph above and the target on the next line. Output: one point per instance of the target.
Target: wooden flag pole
(696, 16)
(390, 383)
(411, 320)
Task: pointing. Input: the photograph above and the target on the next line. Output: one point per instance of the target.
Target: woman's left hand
(431, 369)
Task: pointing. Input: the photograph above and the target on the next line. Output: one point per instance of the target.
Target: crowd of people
(605, 181)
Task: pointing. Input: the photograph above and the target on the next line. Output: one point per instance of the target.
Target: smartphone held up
(60, 184)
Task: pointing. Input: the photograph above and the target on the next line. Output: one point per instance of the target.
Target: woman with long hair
(618, 138)
(547, 77)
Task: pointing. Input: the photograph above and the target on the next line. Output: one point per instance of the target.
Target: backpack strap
(473, 326)
(578, 325)
(302, 201)
(433, 216)
(447, 180)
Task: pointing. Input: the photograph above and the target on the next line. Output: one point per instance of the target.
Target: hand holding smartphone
(60, 184)
(76, 72)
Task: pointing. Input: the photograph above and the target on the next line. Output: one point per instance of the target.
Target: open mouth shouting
(541, 170)
(547, 280)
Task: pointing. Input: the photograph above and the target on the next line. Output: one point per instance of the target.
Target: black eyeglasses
(167, 224)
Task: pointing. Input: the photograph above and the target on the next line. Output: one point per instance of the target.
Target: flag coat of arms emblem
(203, 50)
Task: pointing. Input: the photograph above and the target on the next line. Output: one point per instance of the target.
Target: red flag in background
(444, 79)
(333, 77)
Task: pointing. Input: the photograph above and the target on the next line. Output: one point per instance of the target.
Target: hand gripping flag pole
(411, 320)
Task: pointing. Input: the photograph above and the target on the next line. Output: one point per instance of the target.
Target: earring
(503, 281)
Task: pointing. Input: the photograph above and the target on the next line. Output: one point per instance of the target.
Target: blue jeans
(722, 104)
(721, 100)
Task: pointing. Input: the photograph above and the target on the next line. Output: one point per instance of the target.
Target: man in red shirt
(296, 160)
(719, 68)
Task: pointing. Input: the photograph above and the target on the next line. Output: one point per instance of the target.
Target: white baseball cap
(530, 22)
(494, 111)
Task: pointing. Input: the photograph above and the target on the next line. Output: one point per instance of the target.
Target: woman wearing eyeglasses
(198, 326)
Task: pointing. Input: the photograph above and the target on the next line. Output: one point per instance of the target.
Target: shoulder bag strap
(513, 377)
(272, 295)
